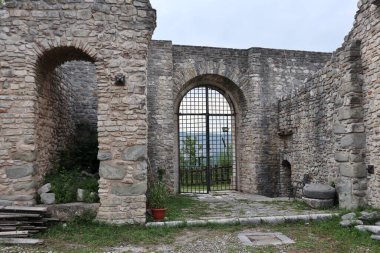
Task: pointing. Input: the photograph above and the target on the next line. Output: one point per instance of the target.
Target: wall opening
(285, 178)
(207, 153)
(66, 112)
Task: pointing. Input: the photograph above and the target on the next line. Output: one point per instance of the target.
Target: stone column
(350, 133)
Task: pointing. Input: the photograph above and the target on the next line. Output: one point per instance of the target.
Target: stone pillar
(349, 132)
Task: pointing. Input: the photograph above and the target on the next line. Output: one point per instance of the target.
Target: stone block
(135, 153)
(353, 170)
(319, 203)
(350, 113)
(341, 156)
(353, 141)
(80, 195)
(44, 189)
(25, 186)
(319, 191)
(48, 198)
(369, 216)
(6, 203)
(121, 189)
(16, 172)
(26, 156)
(104, 156)
(66, 212)
(350, 223)
(355, 128)
(349, 216)
(371, 229)
(112, 171)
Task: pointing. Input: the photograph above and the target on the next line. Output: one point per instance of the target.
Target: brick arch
(192, 70)
(229, 88)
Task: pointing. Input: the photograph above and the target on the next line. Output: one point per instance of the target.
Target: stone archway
(206, 132)
(119, 32)
(60, 106)
(235, 99)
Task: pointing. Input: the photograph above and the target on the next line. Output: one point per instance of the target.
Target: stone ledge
(66, 212)
(243, 221)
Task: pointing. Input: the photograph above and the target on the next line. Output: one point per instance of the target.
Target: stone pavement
(244, 205)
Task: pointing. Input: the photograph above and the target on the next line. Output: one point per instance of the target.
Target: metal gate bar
(207, 160)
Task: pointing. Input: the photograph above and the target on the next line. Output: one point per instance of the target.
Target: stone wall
(254, 80)
(82, 77)
(306, 127)
(36, 37)
(331, 125)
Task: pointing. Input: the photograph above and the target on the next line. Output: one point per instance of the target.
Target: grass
(325, 236)
(182, 207)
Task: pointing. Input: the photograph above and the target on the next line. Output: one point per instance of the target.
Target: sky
(312, 25)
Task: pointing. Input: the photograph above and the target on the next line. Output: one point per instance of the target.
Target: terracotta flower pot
(158, 214)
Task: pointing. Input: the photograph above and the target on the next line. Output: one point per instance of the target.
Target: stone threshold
(244, 221)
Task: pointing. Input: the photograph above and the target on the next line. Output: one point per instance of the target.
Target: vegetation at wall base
(66, 183)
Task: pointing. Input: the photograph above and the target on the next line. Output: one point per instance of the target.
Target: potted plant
(157, 199)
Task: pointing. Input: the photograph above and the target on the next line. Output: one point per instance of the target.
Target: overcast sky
(313, 25)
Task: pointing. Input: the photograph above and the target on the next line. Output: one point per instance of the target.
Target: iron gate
(207, 160)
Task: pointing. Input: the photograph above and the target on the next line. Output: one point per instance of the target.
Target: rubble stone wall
(38, 36)
(331, 125)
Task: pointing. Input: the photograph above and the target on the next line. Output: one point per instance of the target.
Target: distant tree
(189, 154)
(225, 157)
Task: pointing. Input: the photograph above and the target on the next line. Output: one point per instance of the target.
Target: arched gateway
(207, 160)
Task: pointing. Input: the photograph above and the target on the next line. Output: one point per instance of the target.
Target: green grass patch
(181, 207)
(323, 236)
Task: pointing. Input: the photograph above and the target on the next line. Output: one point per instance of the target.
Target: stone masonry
(316, 113)
(253, 79)
(36, 117)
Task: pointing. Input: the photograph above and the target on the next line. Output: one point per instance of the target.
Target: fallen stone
(44, 189)
(350, 223)
(48, 198)
(375, 237)
(366, 216)
(319, 191)
(377, 223)
(80, 195)
(318, 203)
(372, 229)
(349, 216)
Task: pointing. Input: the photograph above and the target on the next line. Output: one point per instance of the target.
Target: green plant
(66, 183)
(158, 195)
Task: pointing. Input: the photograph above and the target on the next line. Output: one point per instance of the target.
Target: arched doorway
(66, 110)
(207, 156)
